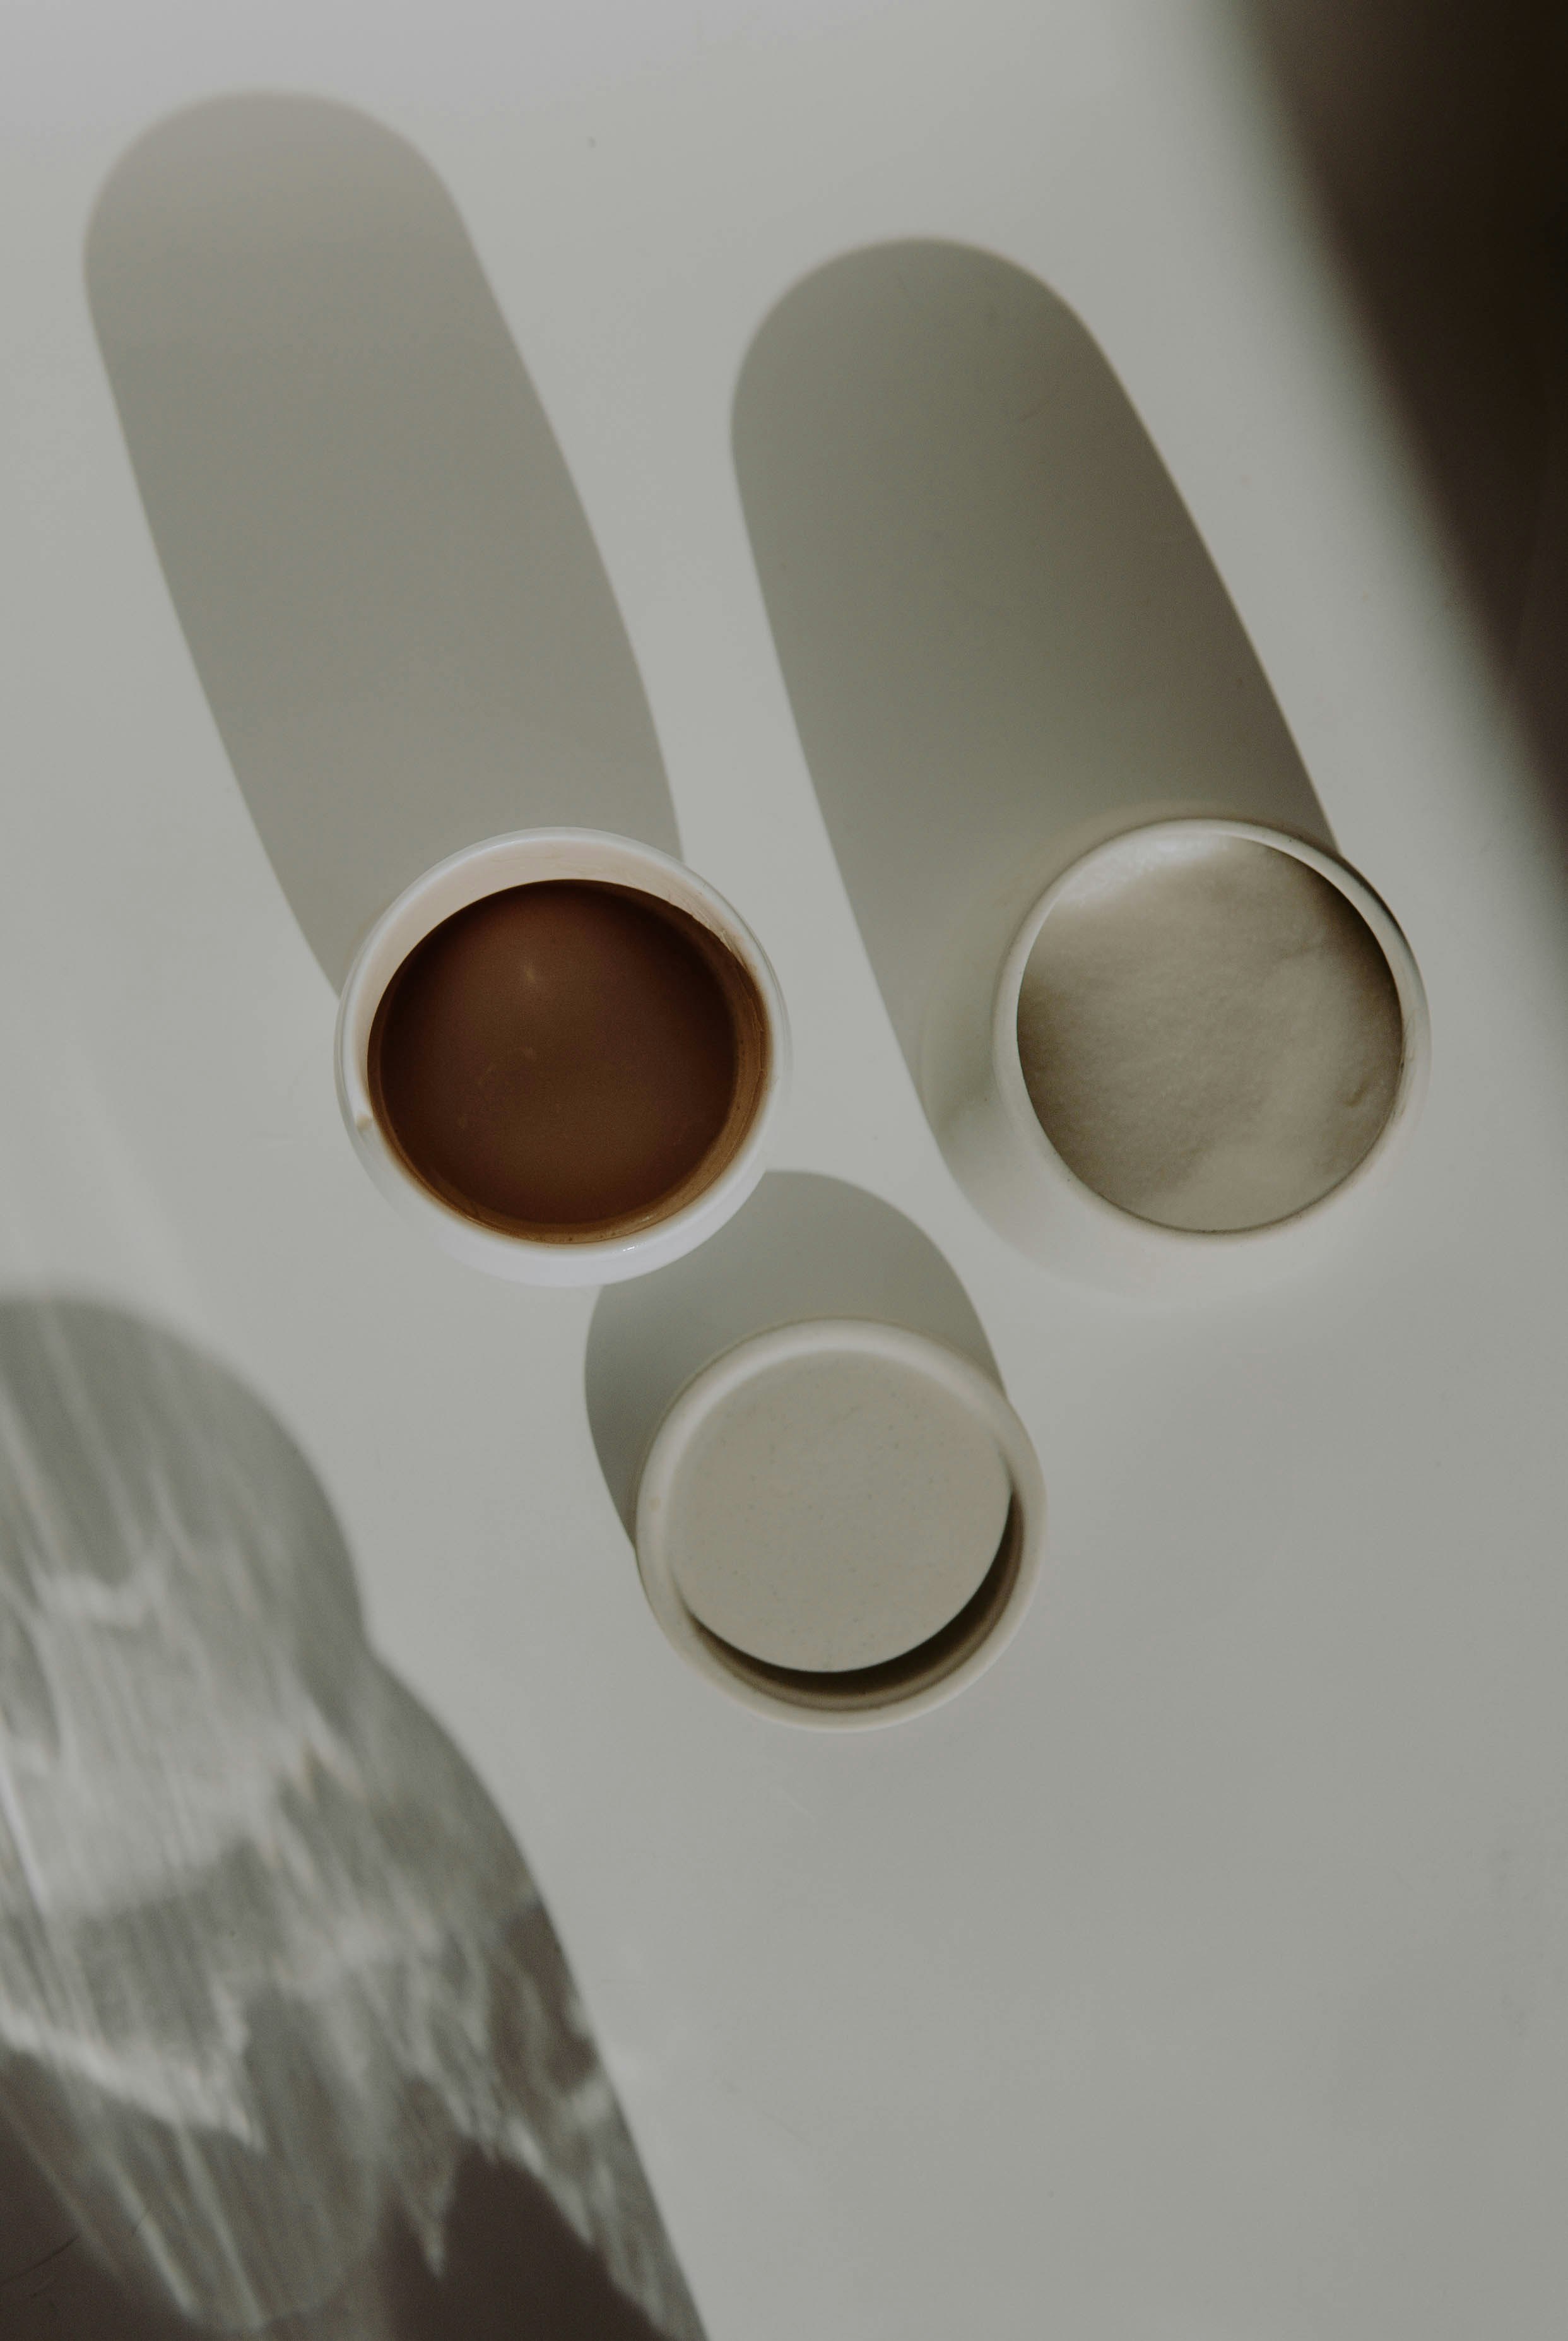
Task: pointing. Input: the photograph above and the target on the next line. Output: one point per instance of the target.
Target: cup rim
(1410, 1085)
(490, 866)
(906, 1687)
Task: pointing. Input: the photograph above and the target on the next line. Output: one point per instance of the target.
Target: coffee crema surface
(568, 1060)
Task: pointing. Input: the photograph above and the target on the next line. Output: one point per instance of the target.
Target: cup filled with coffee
(562, 1054)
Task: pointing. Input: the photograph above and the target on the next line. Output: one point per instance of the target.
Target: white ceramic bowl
(530, 857)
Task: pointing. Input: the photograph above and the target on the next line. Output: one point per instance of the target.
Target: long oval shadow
(387, 582)
(1001, 634)
(803, 1246)
(287, 2041)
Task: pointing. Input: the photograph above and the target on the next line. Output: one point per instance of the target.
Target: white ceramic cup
(943, 1661)
(1006, 1163)
(532, 857)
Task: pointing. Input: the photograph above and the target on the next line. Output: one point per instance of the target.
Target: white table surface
(1202, 1974)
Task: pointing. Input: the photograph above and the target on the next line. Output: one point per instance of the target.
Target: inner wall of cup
(1209, 1032)
(563, 1176)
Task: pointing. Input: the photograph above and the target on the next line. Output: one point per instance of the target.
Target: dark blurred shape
(50, 2287)
(1436, 134)
(288, 2043)
(514, 2270)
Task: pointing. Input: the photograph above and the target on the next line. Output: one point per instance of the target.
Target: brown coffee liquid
(567, 1060)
